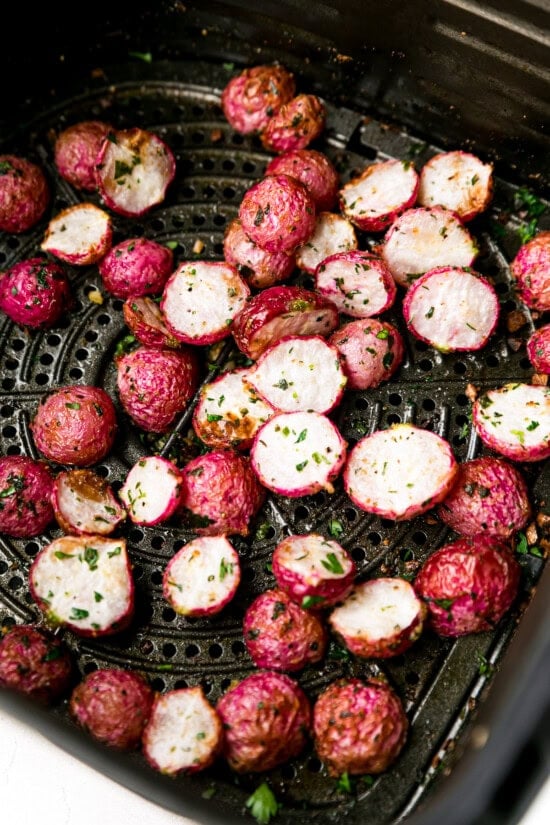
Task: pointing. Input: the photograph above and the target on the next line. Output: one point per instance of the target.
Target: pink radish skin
(333, 234)
(279, 311)
(358, 283)
(280, 635)
(25, 492)
(531, 271)
(538, 350)
(468, 585)
(312, 168)
(359, 727)
(251, 98)
(315, 572)
(184, 733)
(376, 197)
(134, 169)
(298, 454)
(425, 238)
(371, 351)
(259, 268)
(84, 583)
(35, 663)
(400, 472)
(79, 235)
(490, 497)
(295, 125)
(76, 150)
(145, 321)
(229, 411)
(458, 181)
(267, 721)
(278, 214)
(380, 618)
(201, 300)
(24, 194)
(85, 504)
(203, 577)
(221, 493)
(35, 293)
(151, 491)
(136, 267)
(300, 372)
(454, 310)
(514, 420)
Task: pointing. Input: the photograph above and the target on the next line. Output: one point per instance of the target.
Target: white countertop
(39, 782)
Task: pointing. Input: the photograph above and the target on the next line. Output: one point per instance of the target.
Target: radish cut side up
(300, 373)
(79, 235)
(514, 420)
(452, 309)
(314, 571)
(458, 181)
(84, 503)
(184, 732)
(152, 490)
(298, 454)
(84, 583)
(203, 577)
(380, 618)
(373, 199)
(401, 472)
(332, 234)
(359, 283)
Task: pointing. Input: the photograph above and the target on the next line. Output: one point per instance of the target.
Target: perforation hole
(191, 651)
(215, 651)
(169, 650)
(158, 684)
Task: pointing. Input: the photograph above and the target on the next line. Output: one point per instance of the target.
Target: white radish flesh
(85, 503)
(152, 490)
(359, 283)
(373, 199)
(80, 234)
(514, 420)
(333, 233)
(458, 181)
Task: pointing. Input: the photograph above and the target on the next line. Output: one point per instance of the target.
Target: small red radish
(35, 293)
(514, 420)
(295, 125)
(357, 282)
(298, 454)
(84, 583)
(136, 267)
(424, 238)
(75, 152)
(312, 168)
(371, 352)
(278, 213)
(489, 496)
(24, 194)
(202, 577)
(400, 472)
(25, 496)
(145, 321)
(257, 266)
(184, 733)
(134, 169)
(458, 181)
(531, 271)
(380, 618)
(375, 198)
(282, 310)
(229, 411)
(454, 310)
(468, 585)
(253, 96)
(333, 234)
(281, 635)
(538, 349)
(80, 234)
(300, 372)
(85, 504)
(35, 663)
(314, 571)
(152, 490)
(201, 300)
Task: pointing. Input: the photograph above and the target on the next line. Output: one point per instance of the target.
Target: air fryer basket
(461, 696)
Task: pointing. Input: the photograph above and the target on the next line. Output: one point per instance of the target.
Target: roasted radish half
(514, 420)
(145, 321)
(257, 266)
(278, 213)
(184, 733)
(300, 372)
(25, 496)
(531, 271)
(312, 168)
(458, 181)
(134, 169)
(203, 576)
(452, 309)
(24, 194)
(35, 293)
(80, 235)
(75, 152)
(85, 504)
(371, 351)
(298, 453)
(84, 583)
(152, 490)
(374, 199)
(253, 96)
(538, 349)
(400, 472)
(295, 125)
(359, 283)
(35, 663)
(136, 267)
(201, 300)
(333, 234)
(380, 618)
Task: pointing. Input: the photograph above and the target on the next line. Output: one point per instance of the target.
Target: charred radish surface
(145, 321)
(85, 504)
(295, 125)
(252, 97)
(375, 198)
(257, 266)
(458, 181)
(152, 490)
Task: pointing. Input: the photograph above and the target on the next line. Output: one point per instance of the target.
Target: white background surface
(41, 783)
